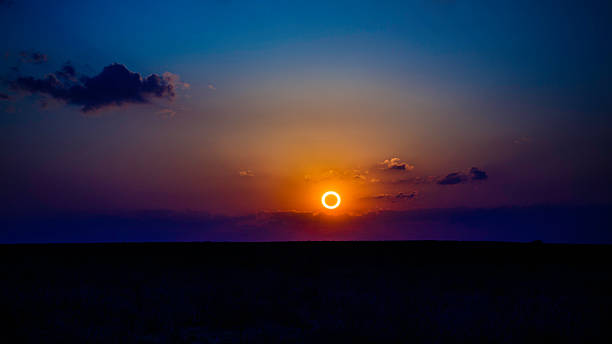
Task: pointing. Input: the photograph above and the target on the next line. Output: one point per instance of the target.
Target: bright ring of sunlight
(332, 193)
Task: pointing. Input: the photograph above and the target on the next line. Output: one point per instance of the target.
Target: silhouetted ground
(342, 292)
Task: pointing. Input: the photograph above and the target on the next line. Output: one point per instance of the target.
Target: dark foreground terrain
(342, 292)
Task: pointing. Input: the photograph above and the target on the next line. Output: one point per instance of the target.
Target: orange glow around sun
(326, 196)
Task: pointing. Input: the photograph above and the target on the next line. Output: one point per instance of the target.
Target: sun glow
(324, 198)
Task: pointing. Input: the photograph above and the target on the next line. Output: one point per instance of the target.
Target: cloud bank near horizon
(562, 224)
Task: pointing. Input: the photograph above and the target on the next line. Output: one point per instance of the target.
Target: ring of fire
(330, 193)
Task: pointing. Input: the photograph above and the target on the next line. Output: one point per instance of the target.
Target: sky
(233, 108)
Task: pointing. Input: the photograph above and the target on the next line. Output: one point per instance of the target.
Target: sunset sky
(260, 107)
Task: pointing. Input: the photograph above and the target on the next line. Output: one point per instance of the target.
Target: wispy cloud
(246, 173)
(355, 175)
(522, 140)
(167, 113)
(401, 196)
(417, 180)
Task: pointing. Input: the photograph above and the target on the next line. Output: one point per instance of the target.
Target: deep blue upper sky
(556, 45)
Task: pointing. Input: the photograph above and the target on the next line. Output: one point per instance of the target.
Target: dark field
(342, 292)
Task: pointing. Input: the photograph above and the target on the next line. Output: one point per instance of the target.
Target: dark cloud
(34, 57)
(114, 86)
(453, 178)
(4, 96)
(395, 164)
(473, 174)
(477, 174)
(68, 72)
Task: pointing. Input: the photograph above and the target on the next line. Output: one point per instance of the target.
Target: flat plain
(296, 292)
